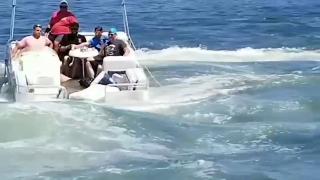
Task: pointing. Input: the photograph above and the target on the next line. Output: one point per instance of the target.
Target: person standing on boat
(60, 22)
(68, 42)
(35, 40)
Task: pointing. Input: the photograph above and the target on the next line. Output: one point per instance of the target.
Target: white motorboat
(34, 75)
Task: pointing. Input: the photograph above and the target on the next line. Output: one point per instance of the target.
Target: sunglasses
(37, 26)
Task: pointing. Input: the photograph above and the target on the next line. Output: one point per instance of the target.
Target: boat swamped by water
(34, 73)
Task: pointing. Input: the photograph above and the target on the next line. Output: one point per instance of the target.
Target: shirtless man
(35, 40)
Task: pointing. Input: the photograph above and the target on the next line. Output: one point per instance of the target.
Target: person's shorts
(53, 37)
(98, 60)
(106, 80)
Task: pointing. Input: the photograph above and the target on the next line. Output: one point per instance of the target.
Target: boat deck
(72, 86)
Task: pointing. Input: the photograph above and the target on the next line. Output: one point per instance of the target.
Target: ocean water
(240, 96)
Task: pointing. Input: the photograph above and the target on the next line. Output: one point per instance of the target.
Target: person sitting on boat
(60, 23)
(35, 40)
(94, 67)
(115, 46)
(97, 41)
(68, 42)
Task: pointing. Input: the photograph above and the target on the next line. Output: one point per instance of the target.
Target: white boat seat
(41, 66)
(119, 63)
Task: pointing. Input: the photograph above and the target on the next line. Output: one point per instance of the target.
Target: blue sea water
(240, 96)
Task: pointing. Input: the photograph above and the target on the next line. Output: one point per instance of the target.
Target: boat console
(37, 72)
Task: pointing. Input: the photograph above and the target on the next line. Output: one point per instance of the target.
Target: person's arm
(47, 31)
(18, 46)
(102, 50)
(125, 48)
(84, 43)
(65, 48)
(56, 45)
(48, 42)
(50, 24)
(59, 48)
(15, 50)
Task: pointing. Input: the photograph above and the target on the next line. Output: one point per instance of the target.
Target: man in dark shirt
(68, 40)
(63, 48)
(115, 47)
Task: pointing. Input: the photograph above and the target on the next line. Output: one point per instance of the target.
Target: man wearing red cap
(60, 22)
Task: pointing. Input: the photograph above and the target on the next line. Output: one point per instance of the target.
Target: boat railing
(145, 85)
(32, 87)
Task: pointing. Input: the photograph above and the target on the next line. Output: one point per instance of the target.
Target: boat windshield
(37, 49)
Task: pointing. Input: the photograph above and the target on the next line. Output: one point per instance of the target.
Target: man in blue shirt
(95, 67)
(98, 40)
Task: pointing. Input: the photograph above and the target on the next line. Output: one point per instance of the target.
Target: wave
(193, 88)
(240, 55)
